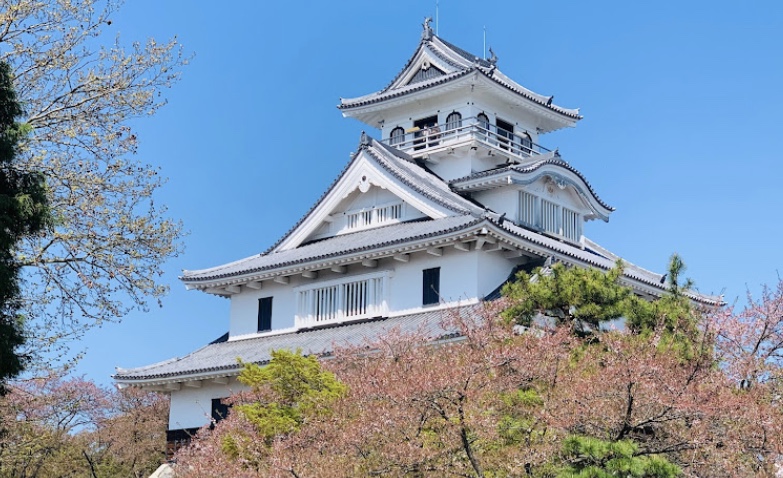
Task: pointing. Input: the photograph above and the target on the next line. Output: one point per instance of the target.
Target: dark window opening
(219, 410)
(426, 132)
(397, 136)
(264, 314)
(505, 132)
(177, 439)
(431, 286)
(527, 143)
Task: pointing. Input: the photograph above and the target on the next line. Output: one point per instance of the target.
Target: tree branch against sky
(81, 89)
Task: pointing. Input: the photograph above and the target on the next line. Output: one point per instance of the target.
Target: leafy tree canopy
(81, 87)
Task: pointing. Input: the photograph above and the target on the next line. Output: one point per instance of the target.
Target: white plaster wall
(453, 166)
(461, 279)
(192, 407)
(458, 280)
(493, 270)
(441, 105)
(500, 200)
(244, 308)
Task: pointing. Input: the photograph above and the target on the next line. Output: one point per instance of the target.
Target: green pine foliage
(23, 211)
(289, 389)
(589, 457)
(586, 299)
(582, 298)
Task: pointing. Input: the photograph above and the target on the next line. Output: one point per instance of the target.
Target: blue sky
(681, 105)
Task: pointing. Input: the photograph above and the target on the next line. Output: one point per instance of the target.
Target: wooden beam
(339, 269)
(193, 384)
(310, 274)
(495, 248)
(233, 289)
(481, 240)
(254, 284)
(462, 246)
(173, 386)
(512, 254)
(216, 291)
(282, 280)
(371, 263)
(402, 257)
(220, 380)
(435, 251)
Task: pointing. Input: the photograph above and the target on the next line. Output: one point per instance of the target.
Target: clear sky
(681, 104)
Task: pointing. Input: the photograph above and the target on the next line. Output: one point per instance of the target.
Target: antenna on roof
(484, 51)
(436, 17)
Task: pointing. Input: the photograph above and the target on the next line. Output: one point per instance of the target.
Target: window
(264, 314)
(483, 121)
(397, 136)
(357, 298)
(375, 216)
(572, 225)
(527, 209)
(431, 286)
(219, 410)
(526, 143)
(550, 213)
(505, 132)
(425, 135)
(453, 121)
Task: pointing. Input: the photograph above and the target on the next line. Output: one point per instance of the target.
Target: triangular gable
(425, 64)
(375, 166)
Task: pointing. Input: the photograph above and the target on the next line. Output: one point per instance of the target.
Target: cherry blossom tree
(55, 426)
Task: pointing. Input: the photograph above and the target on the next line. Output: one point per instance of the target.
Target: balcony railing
(455, 133)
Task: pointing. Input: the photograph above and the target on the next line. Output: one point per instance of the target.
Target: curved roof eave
(552, 160)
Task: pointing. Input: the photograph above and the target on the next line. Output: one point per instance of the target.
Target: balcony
(471, 130)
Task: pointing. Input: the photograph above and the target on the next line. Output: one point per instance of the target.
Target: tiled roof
(222, 356)
(462, 63)
(597, 256)
(551, 158)
(342, 245)
(404, 168)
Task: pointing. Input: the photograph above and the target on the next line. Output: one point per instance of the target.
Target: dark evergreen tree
(23, 211)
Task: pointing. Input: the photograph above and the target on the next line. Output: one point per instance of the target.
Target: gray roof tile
(222, 356)
(336, 246)
(551, 158)
(463, 63)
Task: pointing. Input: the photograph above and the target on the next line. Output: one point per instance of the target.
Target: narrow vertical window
(526, 143)
(527, 209)
(264, 314)
(431, 286)
(397, 136)
(453, 121)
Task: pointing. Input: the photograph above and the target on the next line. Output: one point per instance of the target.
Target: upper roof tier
(439, 67)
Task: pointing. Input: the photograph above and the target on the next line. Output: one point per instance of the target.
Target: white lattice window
(527, 209)
(572, 225)
(550, 216)
(374, 216)
(335, 301)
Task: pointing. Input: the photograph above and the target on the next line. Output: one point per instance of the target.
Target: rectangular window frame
(430, 287)
(374, 299)
(264, 314)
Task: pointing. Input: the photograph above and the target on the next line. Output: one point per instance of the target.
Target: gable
(424, 65)
(375, 207)
(384, 187)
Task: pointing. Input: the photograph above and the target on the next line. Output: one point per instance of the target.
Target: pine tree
(23, 211)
